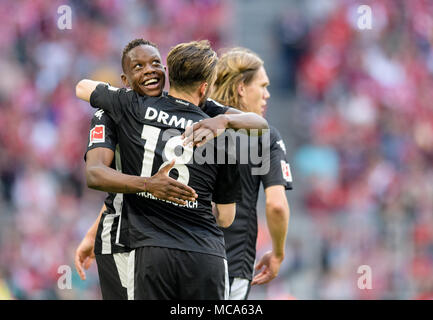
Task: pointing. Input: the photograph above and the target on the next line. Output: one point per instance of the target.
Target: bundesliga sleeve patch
(286, 171)
(97, 134)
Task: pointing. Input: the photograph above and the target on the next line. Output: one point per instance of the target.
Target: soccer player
(178, 250)
(242, 83)
(103, 238)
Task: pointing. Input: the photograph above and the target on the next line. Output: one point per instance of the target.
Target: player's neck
(190, 97)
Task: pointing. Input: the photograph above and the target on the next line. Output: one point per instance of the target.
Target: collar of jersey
(181, 102)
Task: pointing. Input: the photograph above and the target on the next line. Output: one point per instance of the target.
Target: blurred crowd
(363, 135)
(45, 205)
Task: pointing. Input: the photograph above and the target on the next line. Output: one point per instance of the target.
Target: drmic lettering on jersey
(160, 116)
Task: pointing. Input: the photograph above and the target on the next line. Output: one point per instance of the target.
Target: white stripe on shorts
(117, 204)
(106, 233)
(226, 281)
(121, 260)
(239, 289)
(118, 199)
(131, 273)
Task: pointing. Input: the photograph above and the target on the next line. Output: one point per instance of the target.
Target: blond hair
(190, 64)
(234, 67)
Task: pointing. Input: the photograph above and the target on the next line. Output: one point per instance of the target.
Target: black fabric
(241, 236)
(102, 121)
(213, 108)
(145, 125)
(171, 274)
(109, 280)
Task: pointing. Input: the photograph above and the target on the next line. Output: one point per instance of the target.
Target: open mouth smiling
(152, 83)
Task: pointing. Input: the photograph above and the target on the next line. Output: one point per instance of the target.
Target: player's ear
(125, 80)
(241, 89)
(203, 88)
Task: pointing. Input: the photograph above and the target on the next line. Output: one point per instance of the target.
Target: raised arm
(210, 128)
(245, 120)
(84, 89)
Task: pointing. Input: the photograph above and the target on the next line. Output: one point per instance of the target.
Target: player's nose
(149, 69)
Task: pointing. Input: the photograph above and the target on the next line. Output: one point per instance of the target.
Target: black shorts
(171, 274)
(112, 271)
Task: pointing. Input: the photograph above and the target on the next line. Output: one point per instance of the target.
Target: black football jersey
(149, 130)
(112, 225)
(213, 108)
(241, 236)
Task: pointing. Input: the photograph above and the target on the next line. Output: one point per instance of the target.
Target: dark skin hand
(101, 177)
(164, 187)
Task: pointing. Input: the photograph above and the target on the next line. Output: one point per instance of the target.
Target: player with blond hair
(242, 83)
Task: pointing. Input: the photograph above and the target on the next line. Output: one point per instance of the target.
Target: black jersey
(149, 130)
(112, 224)
(213, 108)
(241, 236)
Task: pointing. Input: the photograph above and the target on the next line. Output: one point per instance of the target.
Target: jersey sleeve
(102, 133)
(213, 108)
(228, 188)
(112, 100)
(279, 168)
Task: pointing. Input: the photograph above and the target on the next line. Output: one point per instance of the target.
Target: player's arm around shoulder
(85, 87)
(237, 119)
(102, 95)
(225, 214)
(222, 118)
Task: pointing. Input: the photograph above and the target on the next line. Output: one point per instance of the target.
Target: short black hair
(135, 43)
